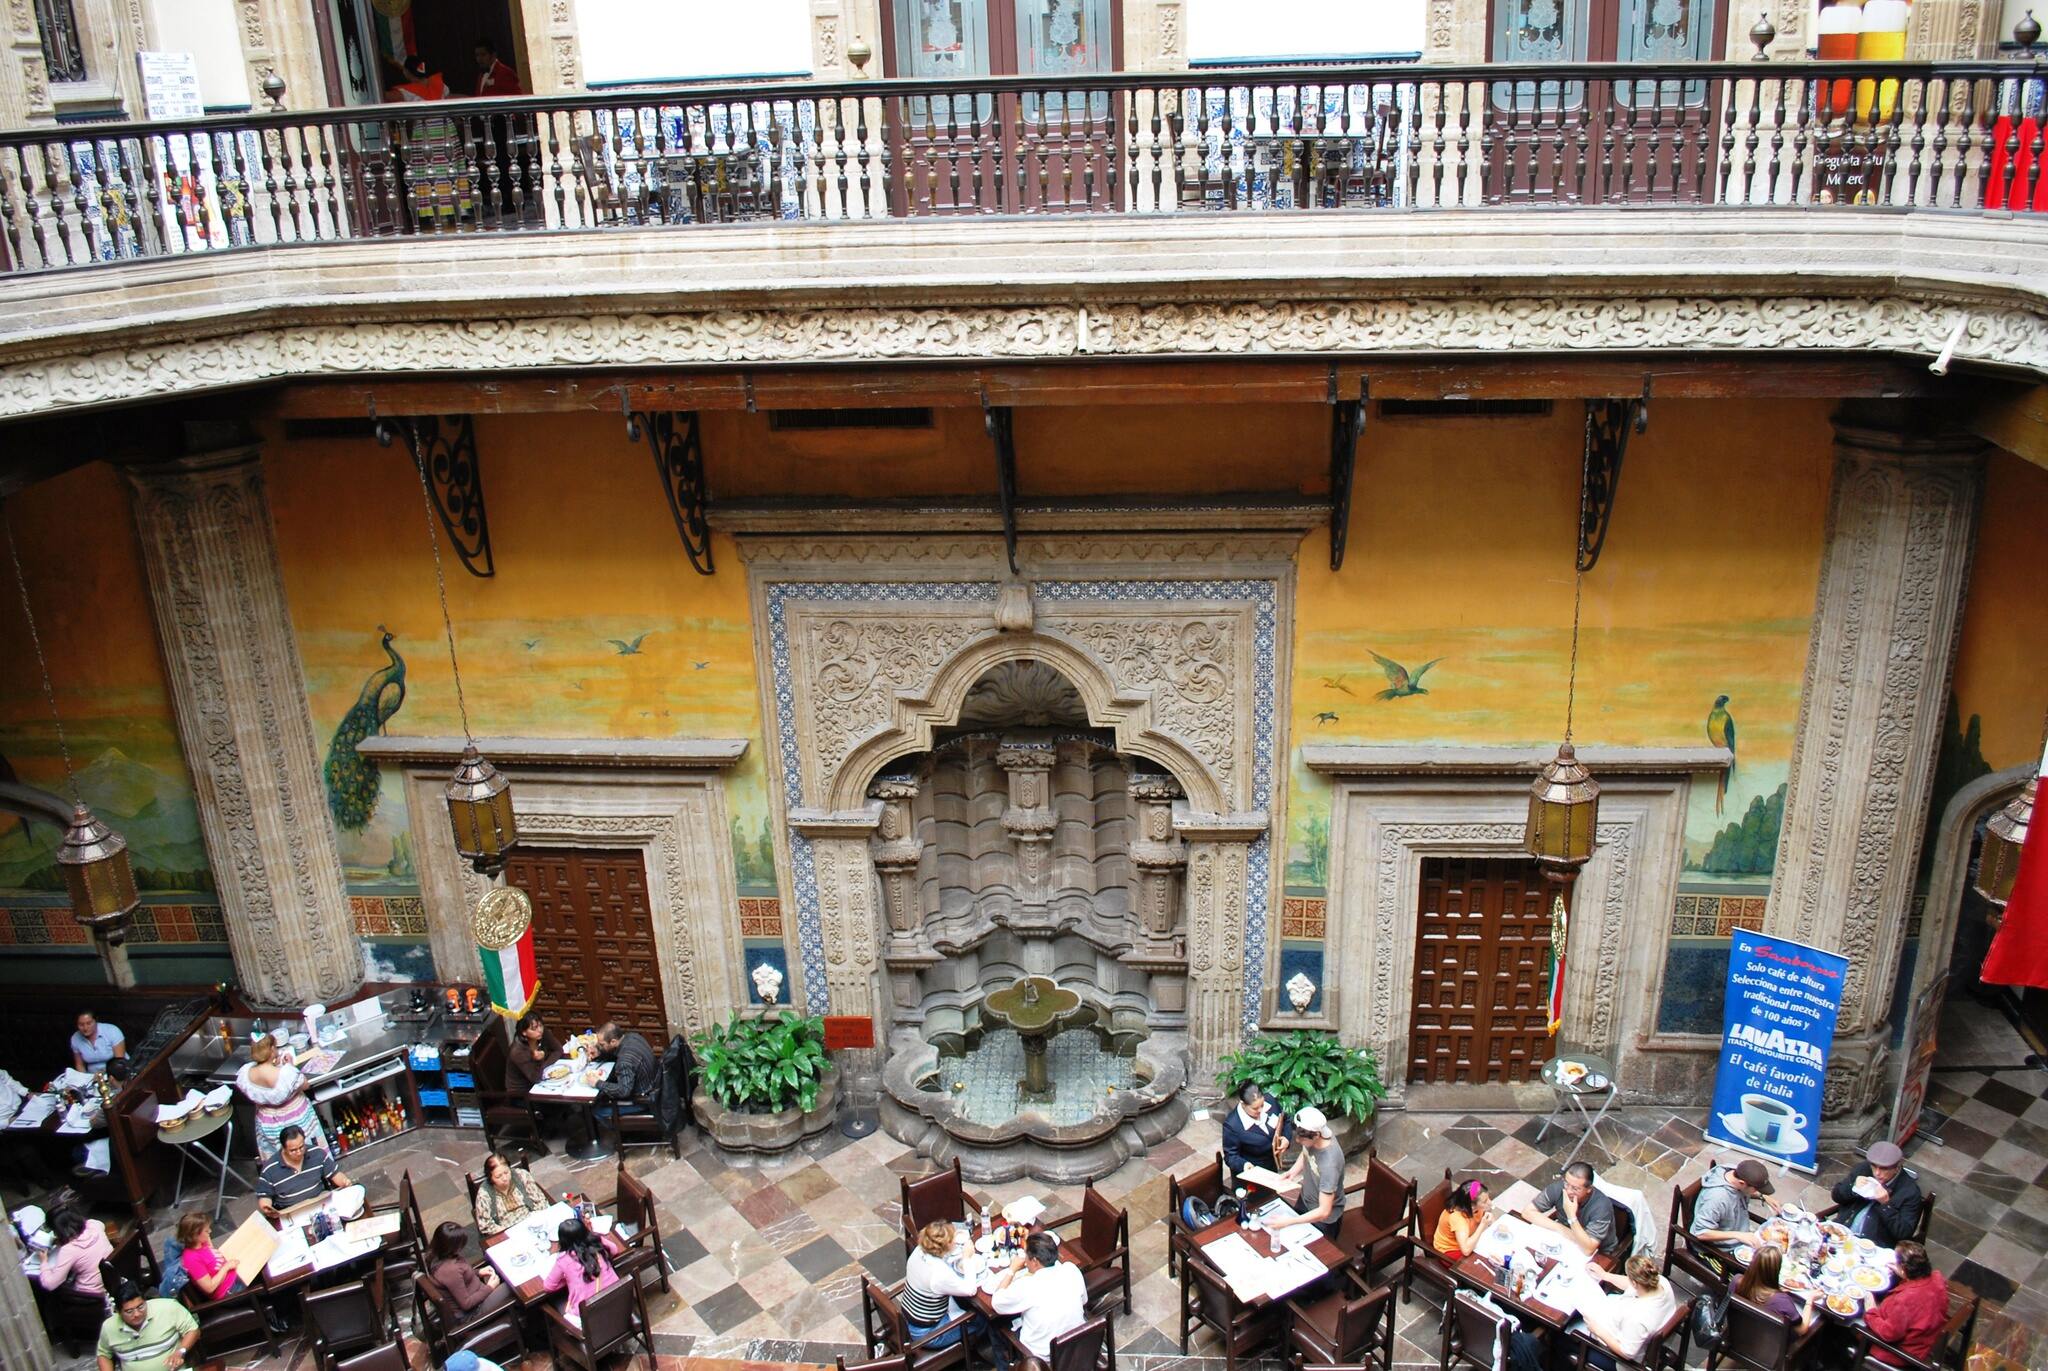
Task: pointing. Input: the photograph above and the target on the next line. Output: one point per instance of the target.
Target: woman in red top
(1912, 1316)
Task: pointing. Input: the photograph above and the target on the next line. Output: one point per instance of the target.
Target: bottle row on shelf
(361, 1121)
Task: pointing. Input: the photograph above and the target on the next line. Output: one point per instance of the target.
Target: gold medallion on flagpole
(502, 917)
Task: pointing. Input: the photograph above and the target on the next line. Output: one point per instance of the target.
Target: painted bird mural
(1328, 716)
(351, 777)
(626, 649)
(1721, 733)
(1400, 681)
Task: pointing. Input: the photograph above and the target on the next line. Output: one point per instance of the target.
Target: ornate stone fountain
(1034, 1007)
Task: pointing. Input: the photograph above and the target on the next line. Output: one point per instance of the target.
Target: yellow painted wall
(2001, 677)
(595, 625)
(1460, 553)
(85, 582)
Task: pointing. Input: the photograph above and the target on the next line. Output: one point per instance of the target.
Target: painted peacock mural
(352, 778)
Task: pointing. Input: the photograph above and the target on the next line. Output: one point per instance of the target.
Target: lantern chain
(36, 641)
(441, 585)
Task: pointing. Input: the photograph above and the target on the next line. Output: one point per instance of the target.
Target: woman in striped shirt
(930, 1286)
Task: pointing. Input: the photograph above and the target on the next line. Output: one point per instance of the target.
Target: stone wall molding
(238, 694)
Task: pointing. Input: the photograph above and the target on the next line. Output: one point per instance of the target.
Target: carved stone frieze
(239, 696)
(1473, 322)
(1894, 569)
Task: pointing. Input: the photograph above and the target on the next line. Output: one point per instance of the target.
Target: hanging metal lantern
(1563, 805)
(1998, 865)
(480, 808)
(96, 869)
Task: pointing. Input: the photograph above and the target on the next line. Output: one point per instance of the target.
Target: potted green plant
(1304, 1067)
(764, 1084)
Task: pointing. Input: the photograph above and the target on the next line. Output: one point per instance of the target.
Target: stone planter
(1355, 1136)
(743, 1139)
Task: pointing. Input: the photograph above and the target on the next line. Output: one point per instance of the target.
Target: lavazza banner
(1780, 1020)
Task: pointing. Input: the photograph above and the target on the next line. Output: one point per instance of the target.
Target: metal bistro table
(569, 1090)
(191, 1139)
(1574, 1095)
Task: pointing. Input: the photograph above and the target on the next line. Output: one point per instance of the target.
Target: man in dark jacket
(635, 1078)
(1879, 1200)
(1255, 1132)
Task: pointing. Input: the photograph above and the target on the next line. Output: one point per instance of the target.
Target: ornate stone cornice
(682, 754)
(1409, 760)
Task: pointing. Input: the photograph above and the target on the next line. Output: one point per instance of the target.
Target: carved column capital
(1894, 568)
(238, 694)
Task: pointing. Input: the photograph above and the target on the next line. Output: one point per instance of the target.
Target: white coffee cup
(1767, 1120)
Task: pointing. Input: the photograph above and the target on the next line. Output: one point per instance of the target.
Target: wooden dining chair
(637, 1224)
(1206, 1185)
(345, 1319)
(1207, 1299)
(1759, 1340)
(234, 1323)
(510, 1120)
(931, 1199)
(1086, 1347)
(1660, 1353)
(1423, 1259)
(1349, 1324)
(1374, 1231)
(1475, 1335)
(613, 1319)
(388, 1356)
(1102, 1250)
(1869, 1352)
(496, 1334)
(888, 1331)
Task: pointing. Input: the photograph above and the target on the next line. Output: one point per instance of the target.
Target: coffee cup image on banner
(1767, 1123)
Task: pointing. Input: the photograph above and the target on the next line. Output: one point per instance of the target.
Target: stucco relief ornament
(1301, 991)
(767, 983)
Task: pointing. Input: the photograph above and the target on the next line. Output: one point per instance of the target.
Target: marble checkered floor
(768, 1262)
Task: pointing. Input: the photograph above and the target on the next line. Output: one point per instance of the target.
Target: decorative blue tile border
(1266, 692)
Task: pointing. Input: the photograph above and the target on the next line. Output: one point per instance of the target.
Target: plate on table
(558, 1072)
(1836, 1230)
(1841, 1264)
(1571, 1073)
(1870, 1278)
(1744, 1253)
(1796, 1279)
(1846, 1305)
(1775, 1235)
(985, 1244)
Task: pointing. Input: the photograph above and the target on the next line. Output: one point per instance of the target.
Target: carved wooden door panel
(1481, 1003)
(593, 938)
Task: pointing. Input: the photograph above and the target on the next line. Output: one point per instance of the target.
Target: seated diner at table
(1879, 1200)
(636, 1072)
(1049, 1296)
(1622, 1322)
(508, 1195)
(1467, 1213)
(95, 1043)
(534, 1049)
(472, 1291)
(580, 1268)
(1255, 1133)
(1762, 1286)
(1912, 1316)
(300, 1172)
(204, 1269)
(932, 1287)
(1571, 1206)
(73, 1263)
(1720, 1217)
(146, 1334)
(1319, 1169)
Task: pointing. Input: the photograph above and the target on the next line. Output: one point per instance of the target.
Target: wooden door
(1608, 141)
(1482, 1001)
(1032, 152)
(593, 938)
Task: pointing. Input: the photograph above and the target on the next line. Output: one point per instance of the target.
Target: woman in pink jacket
(580, 1268)
(74, 1263)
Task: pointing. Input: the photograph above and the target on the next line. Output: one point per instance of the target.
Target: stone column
(1158, 858)
(24, 1346)
(1030, 820)
(849, 911)
(1893, 572)
(239, 696)
(896, 851)
(1219, 868)
(1953, 30)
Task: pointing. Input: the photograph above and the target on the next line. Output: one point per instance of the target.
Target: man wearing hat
(1879, 1200)
(1720, 1217)
(1320, 1169)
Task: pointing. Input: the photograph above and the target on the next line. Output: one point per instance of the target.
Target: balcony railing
(1848, 136)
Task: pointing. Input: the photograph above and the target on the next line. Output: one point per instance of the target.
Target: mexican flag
(509, 975)
(1558, 922)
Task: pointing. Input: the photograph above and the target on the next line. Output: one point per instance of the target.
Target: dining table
(1825, 1257)
(522, 1254)
(577, 1086)
(1268, 1247)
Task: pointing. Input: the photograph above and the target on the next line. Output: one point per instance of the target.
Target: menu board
(170, 85)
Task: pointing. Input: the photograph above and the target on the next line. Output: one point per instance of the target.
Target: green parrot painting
(1401, 682)
(1721, 733)
(352, 778)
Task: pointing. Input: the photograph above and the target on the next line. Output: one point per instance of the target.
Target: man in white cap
(1320, 1169)
(1879, 1200)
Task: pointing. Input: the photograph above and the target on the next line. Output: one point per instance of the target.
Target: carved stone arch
(1126, 712)
(1949, 868)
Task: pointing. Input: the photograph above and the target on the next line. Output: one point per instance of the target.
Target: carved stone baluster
(1030, 820)
(897, 850)
(1159, 859)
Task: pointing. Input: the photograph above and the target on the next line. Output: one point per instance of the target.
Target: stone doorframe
(664, 798)
(1393, 806)
(1174, 625)
(1949, 873)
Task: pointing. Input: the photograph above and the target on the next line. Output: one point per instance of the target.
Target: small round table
(191, 1139)
(1574, 1097)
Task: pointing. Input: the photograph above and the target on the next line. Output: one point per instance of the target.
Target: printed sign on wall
(1783, 998)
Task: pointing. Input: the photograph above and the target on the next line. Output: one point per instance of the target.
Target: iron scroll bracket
(1608, 426)
(996, 418)
(443, 448)
(678, 447)
(1347, 426)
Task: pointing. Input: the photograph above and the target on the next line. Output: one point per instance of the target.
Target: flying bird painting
(700, 665)
(1400, 681)
(1337, 683)
(626, 649)
(1721, 733)
(531, 643)
(1326, 717)
(351, 777)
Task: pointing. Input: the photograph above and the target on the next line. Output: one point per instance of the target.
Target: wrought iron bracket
(443, 449)
(678, 447)
(996, 418)
(1347, 426)
(1608, 426)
